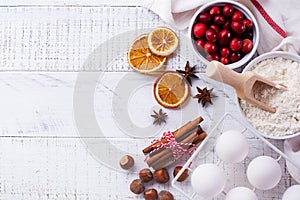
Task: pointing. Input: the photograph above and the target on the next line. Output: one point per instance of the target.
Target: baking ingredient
(208, 180)
(171, 90)
(232, 146)
(246, 46)
(163, 41)
(161, 175)
(286, 120)
(137, 186)
(126, 162)
(159, 117)
(241, 193)
(189, 73)
(236, 44)
(140, 57)
(264, 172)
(165, 195)
(150, 194)
(204, 95)
(219, 27)
(292, 193)
(145, 175)
(183, 176)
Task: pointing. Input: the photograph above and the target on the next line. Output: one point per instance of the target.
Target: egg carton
(235, 173)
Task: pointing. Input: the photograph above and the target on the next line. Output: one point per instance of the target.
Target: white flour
(286, 120)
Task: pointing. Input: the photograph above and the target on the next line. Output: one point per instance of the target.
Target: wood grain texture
(42, 156)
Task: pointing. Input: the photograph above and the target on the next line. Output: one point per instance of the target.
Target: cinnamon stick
(177, 134)
(166, 156)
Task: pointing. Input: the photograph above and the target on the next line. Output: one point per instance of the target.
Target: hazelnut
(146, 175)
(150, 194)
(137, 186)
(161, 175)
(183, 176)
(126, 162)
(165, 195)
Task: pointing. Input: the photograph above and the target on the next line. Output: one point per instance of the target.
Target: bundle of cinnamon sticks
(191, 133)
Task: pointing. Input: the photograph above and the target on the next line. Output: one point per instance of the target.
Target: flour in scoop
(286, 120)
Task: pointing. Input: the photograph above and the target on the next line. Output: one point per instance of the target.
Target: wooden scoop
(242, 83)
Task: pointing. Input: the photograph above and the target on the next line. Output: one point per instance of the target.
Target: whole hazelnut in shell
(137, 186)
(165, 195)
(150, 194)
(161, 175)
(146, 175)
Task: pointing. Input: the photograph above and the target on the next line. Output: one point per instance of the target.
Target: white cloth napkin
(271, 16)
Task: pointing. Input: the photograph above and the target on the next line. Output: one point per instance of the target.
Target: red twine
(176, 147)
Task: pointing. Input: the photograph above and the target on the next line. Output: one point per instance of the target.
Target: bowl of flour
(282, 68)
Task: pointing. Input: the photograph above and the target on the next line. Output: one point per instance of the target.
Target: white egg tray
(235, 173)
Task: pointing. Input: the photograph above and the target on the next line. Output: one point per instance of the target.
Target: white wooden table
(44, 48)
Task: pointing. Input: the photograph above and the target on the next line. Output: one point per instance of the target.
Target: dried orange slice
(171, 90)
(163, 41)
(140, 57)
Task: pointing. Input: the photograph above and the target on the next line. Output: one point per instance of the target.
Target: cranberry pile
(224, 32)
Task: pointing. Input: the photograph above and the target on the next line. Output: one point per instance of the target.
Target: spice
(188, 72)
(204, 96)
(159, 117)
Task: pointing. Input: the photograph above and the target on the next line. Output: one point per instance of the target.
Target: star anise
(159, 117)
(188, 72)
(204, 96)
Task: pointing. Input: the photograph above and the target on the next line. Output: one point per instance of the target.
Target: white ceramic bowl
(250, 66)
(248, 15)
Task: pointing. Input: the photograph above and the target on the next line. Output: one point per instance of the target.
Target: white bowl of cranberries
(225, 31)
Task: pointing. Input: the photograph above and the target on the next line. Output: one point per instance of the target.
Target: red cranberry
(200, 43)
(216, 28)
(211, 35)
(224, 37)
(227, 10)
(227, 24)
(248, 35)
(235, 56)
(199, 30)
(215, 56)
(238, 27)
(224, 51)
(219, 20)
(248, 24)
(246, 46)
(224, 60)
(237, 16)
(210, 47)
(205, 18)
(215, 11)
(236, 44)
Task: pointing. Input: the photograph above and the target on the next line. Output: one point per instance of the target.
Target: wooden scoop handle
(219, 72)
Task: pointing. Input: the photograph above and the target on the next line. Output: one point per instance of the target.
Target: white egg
(292, 193)
(208, 180)
(239, 193)
(232, 147)
(264, 172)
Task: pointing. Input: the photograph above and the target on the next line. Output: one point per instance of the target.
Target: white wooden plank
(62, 38)
(71, 2)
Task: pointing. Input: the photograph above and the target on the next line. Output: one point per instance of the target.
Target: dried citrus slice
(162, 41)
(140, 57)
(171, 90)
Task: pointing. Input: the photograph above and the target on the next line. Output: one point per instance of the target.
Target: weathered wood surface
(43, 49)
